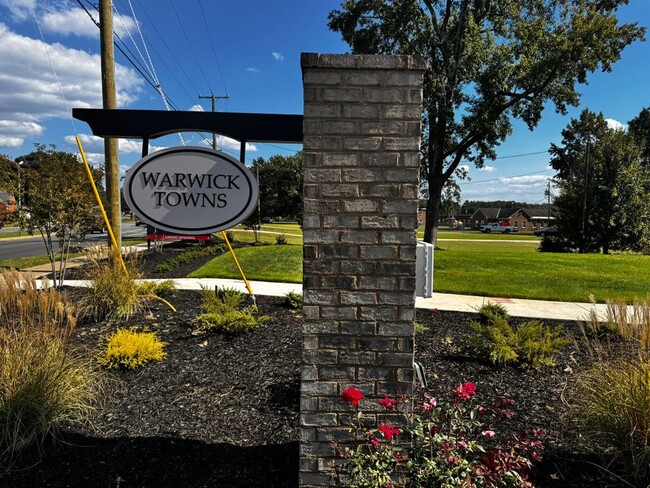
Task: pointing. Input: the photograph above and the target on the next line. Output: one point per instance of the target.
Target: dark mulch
(222, 411)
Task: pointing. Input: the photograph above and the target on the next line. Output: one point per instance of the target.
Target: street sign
(190, 190)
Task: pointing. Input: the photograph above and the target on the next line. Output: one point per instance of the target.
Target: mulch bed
(223, 411)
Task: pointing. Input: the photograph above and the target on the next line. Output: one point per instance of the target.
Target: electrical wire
(189, 44)
(56, 76)
(214, 51)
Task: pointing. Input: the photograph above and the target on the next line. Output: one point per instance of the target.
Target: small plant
(490, 309)
(531, 344)
(420, 328)
(128, 348)
(43, 382)
(293, 300)
(113, 293)
(224, 312)
(436, 443)
(230, 235)
(611, 405)
(281, 239)
(158, 288)
(187, 256)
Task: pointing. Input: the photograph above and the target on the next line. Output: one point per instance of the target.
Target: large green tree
(489, 61)
(639, 127)
(603, 202)
(60, 204)
(280, 183)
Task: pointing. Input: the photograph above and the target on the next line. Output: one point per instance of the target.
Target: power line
(214, 52)
(189, 44)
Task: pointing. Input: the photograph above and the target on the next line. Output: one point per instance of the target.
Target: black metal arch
(150, 124)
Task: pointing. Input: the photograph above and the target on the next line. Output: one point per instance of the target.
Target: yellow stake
(248, 286)
(101, 206)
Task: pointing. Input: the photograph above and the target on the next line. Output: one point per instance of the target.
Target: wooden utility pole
(214, 98)
(110, 103)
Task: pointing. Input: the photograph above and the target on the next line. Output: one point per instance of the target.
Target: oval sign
(190, 190)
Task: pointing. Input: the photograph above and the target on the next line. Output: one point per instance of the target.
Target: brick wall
(362, 120)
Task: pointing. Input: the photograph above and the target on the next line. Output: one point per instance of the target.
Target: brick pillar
(361, 171)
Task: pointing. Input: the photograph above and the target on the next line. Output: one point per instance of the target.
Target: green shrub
(188, 256)
(128, 348)
(224, 312)
(232, 321)
(293, 300)
(490, 309)
(531, 344)
(611, 405)
(158, 288)
(230, 235)
(281, 239)
(43, 382)
(553, 244)
(113, 294)
(420, 328)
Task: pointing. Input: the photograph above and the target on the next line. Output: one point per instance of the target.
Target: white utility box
(424, 270)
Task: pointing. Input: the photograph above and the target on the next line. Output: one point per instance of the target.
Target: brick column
(361, 171)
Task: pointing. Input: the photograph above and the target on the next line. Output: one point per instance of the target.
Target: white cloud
(196, 108)
(524, 180)
(224, 142)
(6, 141)
(279, 57)
(32, 94)
(19, 10)
(464, 168)
(487, 169)
(95, 145)
(616, 125)
(252, 70)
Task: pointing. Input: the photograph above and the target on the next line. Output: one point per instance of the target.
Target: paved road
(13, 248)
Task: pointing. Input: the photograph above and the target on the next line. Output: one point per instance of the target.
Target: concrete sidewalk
(440, 301)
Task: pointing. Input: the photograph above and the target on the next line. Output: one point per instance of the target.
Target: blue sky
(250, 52)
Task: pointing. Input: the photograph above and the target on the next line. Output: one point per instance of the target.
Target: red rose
(352, 396)
(389, 403)
(464, 391)
(389, 431)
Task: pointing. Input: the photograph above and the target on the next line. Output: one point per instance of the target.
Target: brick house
(522, 219)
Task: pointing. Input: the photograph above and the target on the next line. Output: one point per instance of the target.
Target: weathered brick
(320, 297)
(342, 94)
(357, 297)
(379, 252)
(383, 191)
(377, 283)
(381, 374)
(345, 191)
(377, 344)
(311, 312)
(361, 175)
(339, 313)
(340, 159)
(361, 78)
(308, 373)
(358, 267)
(310, 221)
(328, 110)
(378, 313)
(398, 237)
(318, 388)
(360, 205)
(321, 356)
(357, 328)
(401, 144)
(404, 360)
(380, 159)
(383, 128)
(396, 329)
(397, 268)
(338, 127)
(323, 78)
(404, 298)
(379, 222)
(341, 221)
(339, 250)
(357, 357)
(403, 78)
(362, 143)
(338, 342)
(382, 95)
(338, 282)
(321, 206)
(402, 175)
(412, 112)
(323, 175)
(320, 236)
(316, 419)
(358, 111)
(360, 236)
(336, 373)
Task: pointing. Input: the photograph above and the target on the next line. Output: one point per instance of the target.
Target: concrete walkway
(440, 301)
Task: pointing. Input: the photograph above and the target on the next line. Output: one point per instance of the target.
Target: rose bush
(452, 443)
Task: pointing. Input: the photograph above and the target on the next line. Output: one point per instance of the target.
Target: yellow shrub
(129, 349)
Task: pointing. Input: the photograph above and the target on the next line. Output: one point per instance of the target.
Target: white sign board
(190, 190)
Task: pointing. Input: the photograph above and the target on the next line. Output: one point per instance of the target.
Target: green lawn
(263, 263)
(517, 270)
(507, 269)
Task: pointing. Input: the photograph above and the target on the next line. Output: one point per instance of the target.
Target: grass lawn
(263, 263)
(30, 261)
(517, 270)
(501, 269)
